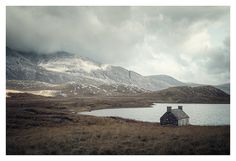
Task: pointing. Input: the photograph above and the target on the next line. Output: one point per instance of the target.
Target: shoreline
(156, 123)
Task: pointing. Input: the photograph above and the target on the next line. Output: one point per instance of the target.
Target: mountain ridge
(59, 66)
(67, 68)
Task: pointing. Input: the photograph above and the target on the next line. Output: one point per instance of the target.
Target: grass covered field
(38, 125)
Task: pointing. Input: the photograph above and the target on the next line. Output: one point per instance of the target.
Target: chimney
(169, 108)
(180, 107)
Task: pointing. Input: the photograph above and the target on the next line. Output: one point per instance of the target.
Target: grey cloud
(218, 62)
(125, 36)
(194, 14)
(91, 32)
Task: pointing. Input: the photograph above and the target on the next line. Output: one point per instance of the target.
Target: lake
(200, 114)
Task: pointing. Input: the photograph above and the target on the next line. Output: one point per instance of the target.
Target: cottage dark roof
(179, 114)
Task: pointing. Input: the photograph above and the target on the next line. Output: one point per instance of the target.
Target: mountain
(224, 87)
(24, 66)
(70, 74)
(164, 81)
(63, 67)
(186, 94)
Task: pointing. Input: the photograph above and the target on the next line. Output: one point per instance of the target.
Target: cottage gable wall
(175, 117)
(169, 118)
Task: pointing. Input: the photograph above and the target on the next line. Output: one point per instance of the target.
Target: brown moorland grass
(96, 135)
(38, 125)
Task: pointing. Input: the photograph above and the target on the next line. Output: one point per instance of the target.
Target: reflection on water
(200, 114)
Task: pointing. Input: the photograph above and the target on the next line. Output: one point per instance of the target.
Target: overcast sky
(191, 44)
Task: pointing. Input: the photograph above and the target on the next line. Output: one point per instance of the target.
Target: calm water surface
(200, 114)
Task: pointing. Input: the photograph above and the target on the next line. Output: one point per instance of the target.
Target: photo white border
(5, 3)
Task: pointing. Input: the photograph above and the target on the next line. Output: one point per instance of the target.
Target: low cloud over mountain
(186, 42)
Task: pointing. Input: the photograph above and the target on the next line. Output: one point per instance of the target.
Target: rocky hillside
(62, 67)
(67, 74)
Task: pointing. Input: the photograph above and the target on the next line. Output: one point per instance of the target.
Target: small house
(175, 117)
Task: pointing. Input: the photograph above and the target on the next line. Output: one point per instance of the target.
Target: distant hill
(224, 87)
(185, 94)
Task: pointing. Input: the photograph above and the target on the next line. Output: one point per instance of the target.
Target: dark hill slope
(185, 94)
